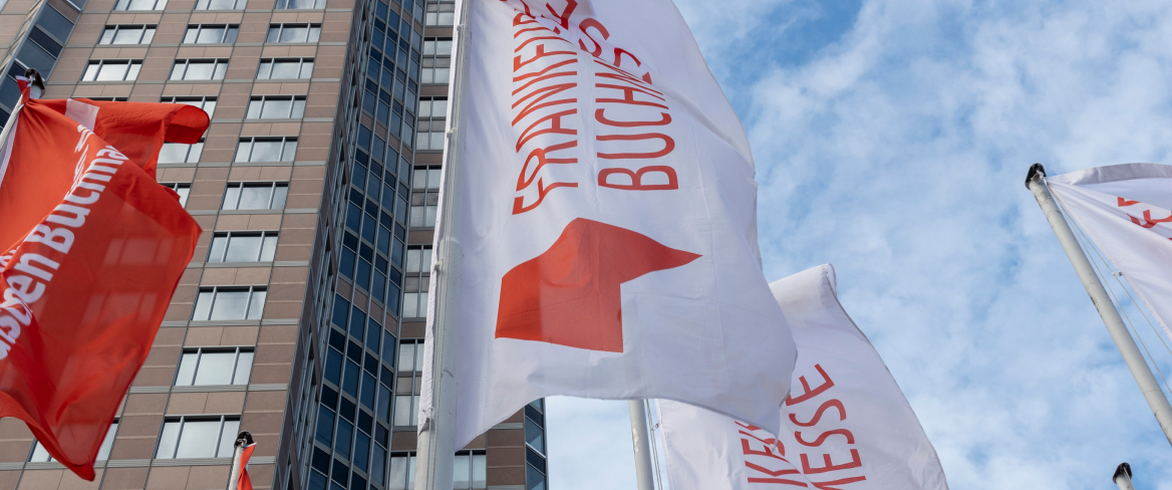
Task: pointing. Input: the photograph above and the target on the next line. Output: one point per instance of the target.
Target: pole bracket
(1037, 171)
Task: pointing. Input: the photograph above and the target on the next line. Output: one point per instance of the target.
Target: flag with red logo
(137, 129)
(605, 214)
(1126, 210)
(847, 424)
(85, 285)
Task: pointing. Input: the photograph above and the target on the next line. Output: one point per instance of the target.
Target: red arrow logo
(569, 295)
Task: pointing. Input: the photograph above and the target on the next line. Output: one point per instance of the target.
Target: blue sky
(892, 138)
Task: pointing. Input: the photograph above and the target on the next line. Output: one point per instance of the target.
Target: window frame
(284, 5)
(256, 295)
(132, 70)
(124, 5)
(181, 188)
(305, 68)
(229, 235)
(273, 199)
(199, 353)
(276, 29)
(296, 106)
(183, 420)
(206, 5)
(201, 102)
(192, 154)
(219, 69)
(250, 141)
(38, 451)
(146, 35)
(227, 37)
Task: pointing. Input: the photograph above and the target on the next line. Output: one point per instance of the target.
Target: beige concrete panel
(278, 334)
(203, 336)
(146, 92)
(187, 403)
(232, 223)
(276, 173)
(154, 376)
(180, 310)
(252, 276)
(176, 174)
(8, 479)
(218, 277)
(239, 335)
(265, 401)
(15, 451)
(41, 479)
(70, 481)
(119, 90)
(124, 479)
(163, 356)
(270, 374)
(232, 402)
(285, 293)
(171, 478)
(513, 475)
(282, 309)
(208, 477)
(264, 222)
(144, 404)
(257, 129)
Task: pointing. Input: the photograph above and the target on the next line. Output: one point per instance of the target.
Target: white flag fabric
(847, 424)
(1126, 210)
(606, 215)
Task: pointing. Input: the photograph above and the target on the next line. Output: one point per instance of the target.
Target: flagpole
(243, 439)
(1123, 477)
(641, 438)
(436, 444)
(1086, 273)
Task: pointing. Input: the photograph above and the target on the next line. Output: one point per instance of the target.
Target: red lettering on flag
(569, 295)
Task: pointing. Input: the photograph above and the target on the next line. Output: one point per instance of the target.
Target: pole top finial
(1121, 470)
(244, 439)
(1037, 171)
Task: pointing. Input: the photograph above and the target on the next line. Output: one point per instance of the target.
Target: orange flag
(136, 129)
(84, 286)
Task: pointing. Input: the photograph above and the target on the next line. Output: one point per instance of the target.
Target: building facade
(301, 317)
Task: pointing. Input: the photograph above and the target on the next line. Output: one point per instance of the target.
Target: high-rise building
(301, 317)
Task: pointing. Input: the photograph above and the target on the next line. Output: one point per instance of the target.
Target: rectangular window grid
(293, 33)
(197, 437)
(433, 113)
(208, 104)
(229, 303)
(276, 107)
(243, 247)
(140, 5)
(441, 13)
(437, 58)
(199, 69)
(220, 4)
(111, 70)
(407, 386)
(210, 34)
(416, 281)
(214, 366)
(285, 68)
(127, 34)
(181, 188)
(266, 149)
(40, 455)
(180, 152)
(424, 196)
(255, 195)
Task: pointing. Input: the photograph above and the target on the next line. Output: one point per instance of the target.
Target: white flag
(606, 213)
(1125, 210)
(847, 424)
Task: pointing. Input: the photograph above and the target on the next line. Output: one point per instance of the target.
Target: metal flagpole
(36, 88)
(435, 449)
(242, 441)
(1123, 477)
(1086, 273)
(641, 437)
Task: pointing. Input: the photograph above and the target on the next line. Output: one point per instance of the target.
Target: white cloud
(897, 152)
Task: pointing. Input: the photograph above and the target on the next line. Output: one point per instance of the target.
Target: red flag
(136, 129)
(86, 285)
(243, 482)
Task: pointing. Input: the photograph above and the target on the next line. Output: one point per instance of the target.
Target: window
(276, 107)
(182, 189)
(437, 57)
(208, 104)
(210, 34)
(301, 4)
(220, 4)
(441, 13)
(293, 33)
(424, 197)
(243, 247)
(40, 455)
(214, 366)
(408, 384)
(416, 282)
(229, 303)
(255, 195)
(127, 34)
(432, 119)
(111, 70)
(266, 150)
(199, 69)
(402, 475)
(140, 5)
(535, 427)
(285, 68)
(197, 437)
(105, 99)
(469, 471)
(180, 153)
